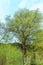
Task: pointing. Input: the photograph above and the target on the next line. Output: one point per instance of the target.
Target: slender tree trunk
(24, 52)
(23, 46)
(33, 59)
(23, 59)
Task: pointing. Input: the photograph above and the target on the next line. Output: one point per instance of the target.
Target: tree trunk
(24, 52)
(33, 59)
(23, 46)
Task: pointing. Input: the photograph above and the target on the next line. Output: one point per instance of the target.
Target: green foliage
(10, 55)
(25, 24)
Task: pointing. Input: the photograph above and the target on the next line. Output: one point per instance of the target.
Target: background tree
(2, 30)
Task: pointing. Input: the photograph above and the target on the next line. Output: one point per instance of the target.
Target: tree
(2, 31)
(25, 25)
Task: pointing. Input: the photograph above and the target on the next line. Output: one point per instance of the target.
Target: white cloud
(22, 4)
(32, 4)
(37, 5)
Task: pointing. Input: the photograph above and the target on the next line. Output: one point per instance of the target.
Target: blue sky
(8, 7)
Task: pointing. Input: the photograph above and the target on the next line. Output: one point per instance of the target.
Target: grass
(11, 54)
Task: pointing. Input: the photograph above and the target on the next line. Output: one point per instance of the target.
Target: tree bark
(24, 51)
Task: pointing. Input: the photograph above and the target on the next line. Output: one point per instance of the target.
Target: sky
(8, 7)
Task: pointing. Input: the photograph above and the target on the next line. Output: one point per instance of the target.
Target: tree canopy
(25, 25)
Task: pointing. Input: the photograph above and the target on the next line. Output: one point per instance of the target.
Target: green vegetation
(10, 55)
(25, 26)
